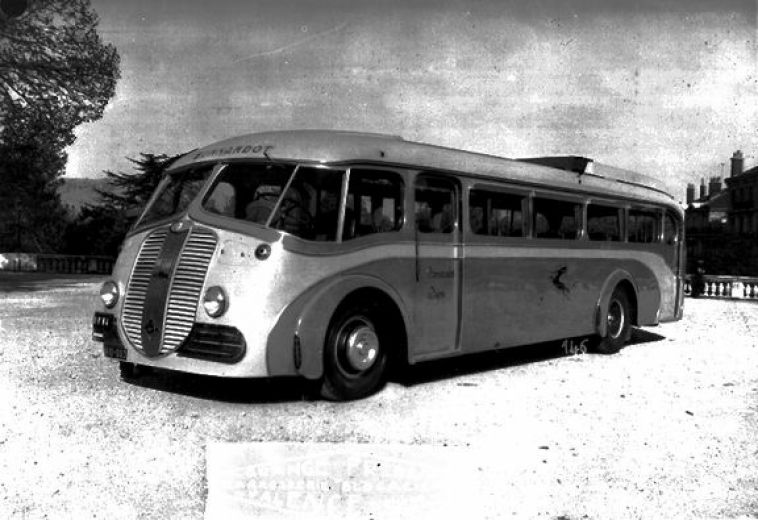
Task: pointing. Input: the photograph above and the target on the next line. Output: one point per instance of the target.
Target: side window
(435, 207)
(643, 226)
(670, 229)
(309, 208)
(374, 203)
(556, 218)
(604, 223)
(496, 214)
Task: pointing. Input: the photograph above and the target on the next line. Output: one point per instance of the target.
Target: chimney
(703, 192)
(690, 193)
(737, 163)
(714, 186)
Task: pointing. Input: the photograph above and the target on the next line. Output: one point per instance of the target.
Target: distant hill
(77, 192)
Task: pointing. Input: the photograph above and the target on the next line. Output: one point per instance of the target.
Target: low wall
(44, 263)
(730, 287)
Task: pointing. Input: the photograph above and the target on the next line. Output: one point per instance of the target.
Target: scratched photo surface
(666, 428)
(667, 88)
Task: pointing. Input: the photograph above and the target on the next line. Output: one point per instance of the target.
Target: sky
(668, 88)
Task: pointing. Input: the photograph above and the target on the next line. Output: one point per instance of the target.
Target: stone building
(709, 212)
(742, 186)
(722, 222)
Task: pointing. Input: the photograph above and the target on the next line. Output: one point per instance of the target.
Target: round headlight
(109, 294)
(214, 301)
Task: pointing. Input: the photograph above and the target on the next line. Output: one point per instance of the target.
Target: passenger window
(670, 229)
(435, 205)
(374, 203)
(643, 226)
(556, 218)
(604, 223)
(496, 214)
(309, 208)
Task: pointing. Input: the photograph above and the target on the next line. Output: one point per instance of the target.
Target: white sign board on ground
(278, 480)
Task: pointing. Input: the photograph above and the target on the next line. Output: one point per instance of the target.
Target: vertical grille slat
(184, 292)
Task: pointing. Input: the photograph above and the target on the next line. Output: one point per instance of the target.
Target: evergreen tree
(130, 191)
(100, 228)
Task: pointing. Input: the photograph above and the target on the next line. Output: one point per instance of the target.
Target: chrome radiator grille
(186, 286)
(184, 291)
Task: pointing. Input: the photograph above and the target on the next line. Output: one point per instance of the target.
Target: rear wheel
(355, 353)
(618, 324)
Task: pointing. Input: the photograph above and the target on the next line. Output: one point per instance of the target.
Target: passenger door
(438, 266)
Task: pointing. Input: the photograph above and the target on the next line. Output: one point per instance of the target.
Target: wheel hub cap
(615, 319)
(362, 347)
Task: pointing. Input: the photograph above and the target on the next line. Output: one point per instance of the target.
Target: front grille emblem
(150, 327)
(179, 226)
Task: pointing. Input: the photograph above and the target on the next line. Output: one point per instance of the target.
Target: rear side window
(604, 223)
(556, 218)
(670, 229)
(496, 214)
(643, 226)
(374, 203)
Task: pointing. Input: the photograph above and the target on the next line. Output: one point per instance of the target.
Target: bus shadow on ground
(292, 389)
(470, 364)
(230, 390)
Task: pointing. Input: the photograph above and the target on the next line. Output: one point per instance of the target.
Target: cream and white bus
(334, 255)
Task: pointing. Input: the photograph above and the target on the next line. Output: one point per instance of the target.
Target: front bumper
(206, 342)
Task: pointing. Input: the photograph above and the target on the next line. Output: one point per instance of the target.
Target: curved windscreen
(175, 194)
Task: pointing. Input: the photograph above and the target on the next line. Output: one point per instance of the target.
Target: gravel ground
(667, 428)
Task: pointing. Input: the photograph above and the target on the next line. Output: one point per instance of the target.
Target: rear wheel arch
(620, 279)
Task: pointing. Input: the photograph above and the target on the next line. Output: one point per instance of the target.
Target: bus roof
(339, 147)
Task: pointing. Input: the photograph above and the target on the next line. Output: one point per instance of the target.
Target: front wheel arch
(364, 317)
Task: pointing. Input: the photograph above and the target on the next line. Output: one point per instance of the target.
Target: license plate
(114, 351)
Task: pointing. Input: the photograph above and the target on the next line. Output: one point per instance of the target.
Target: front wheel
(355, 354)
(618, 324)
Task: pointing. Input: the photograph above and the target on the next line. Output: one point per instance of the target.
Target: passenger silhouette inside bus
(263, 204)
(442, 221)
(293, 215)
